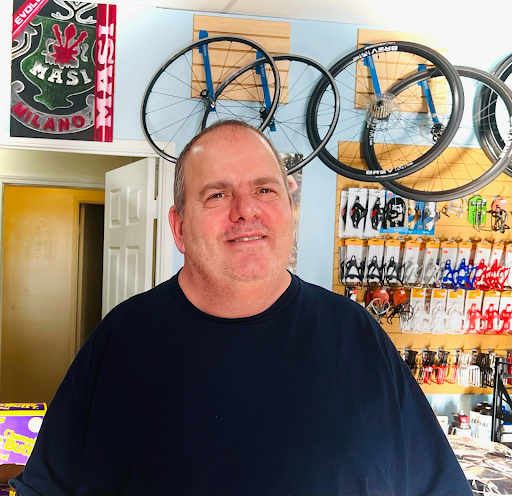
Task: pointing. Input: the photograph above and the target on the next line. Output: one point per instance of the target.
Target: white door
(130, 212)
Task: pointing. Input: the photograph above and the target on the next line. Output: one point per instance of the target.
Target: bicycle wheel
(287, 128)
(463, 167)
(184, 86)
(405, 133)
(490, 136)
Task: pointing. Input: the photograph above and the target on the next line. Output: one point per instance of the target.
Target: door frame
(124, 148)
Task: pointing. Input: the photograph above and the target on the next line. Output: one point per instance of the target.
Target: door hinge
(153, 209)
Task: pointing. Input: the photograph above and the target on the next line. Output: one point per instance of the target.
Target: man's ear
(292, 184)
(176, 223)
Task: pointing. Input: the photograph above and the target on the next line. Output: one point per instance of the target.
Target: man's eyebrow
(260, 181)
(215, 185)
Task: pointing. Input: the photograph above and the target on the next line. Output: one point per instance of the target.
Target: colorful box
(19, 426)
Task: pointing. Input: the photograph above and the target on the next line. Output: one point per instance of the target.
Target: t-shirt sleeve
(53, 466)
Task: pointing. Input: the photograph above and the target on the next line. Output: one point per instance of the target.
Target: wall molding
(52, 182)
(122, 148)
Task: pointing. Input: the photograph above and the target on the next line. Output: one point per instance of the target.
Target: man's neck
(230, 299)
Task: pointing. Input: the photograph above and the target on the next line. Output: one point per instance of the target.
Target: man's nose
(244, 206)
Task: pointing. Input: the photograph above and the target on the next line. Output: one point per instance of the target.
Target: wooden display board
(446, 228)
(399, 65)
(274, 36)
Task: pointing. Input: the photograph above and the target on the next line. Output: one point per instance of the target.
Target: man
(236, 377)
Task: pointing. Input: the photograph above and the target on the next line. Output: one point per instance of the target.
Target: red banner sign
(105, 52)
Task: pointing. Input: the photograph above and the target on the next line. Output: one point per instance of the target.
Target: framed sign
(62, 76)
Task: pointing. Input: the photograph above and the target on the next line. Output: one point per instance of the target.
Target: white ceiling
(407, 15)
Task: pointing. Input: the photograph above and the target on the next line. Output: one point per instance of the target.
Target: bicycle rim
(463, 167)
(287, 128)
(396, 123)
(490, 136)
(180, 91)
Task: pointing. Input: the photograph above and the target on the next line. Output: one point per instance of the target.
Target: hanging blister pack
(356, 212)
(411, 262)
(374, 273)
(430, 270)
(490, 324)
(425, 217)
(354, 261)
(375, 212)
(342, 218)
(420, 321)
(392, 262)
(455, 311)
(477, 211)
(447, 260)
(395, 214)
(505, 312)
(481, 262)
(341, 260)
(430, 217)
(496, 255)
(473, 311)
(438, 317)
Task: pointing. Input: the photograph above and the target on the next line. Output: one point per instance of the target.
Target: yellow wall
(38, 292)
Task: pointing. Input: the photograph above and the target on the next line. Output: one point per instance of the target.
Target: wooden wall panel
(272, 35)
(398, 66)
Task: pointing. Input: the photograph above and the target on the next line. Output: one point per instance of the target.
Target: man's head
(232, 216)
(179, 173)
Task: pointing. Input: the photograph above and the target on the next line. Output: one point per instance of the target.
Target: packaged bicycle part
(395, 214)
(505, 312)
(483, 253)
(342, 218)
(477, 211)
(463, 253)
(411, 260)
(392, 261)
(430, 217)
(473, 310)
(455, 311)
(356, 212)
(341, 260)
(490, 312)
(424, 219)
(438, 317)
(448, 252)
(375, 213)
(430, 263)
(374, 273)
(417, 303)
(497, 251)
(354, 261)
(413, 215)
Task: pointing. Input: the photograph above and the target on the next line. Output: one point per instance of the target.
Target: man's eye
(265, 190)
(216, 195)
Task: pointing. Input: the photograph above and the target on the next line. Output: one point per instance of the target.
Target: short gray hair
(179, 172)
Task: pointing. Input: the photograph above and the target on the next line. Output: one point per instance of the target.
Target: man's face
(237, 220)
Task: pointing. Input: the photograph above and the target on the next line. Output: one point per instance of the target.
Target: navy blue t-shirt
(307, 397)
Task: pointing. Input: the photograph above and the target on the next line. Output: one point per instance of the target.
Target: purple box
(19, 426)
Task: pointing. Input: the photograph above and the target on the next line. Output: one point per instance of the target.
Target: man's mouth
(252, 238)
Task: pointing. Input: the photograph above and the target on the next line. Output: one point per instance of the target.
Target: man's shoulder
(326, 299)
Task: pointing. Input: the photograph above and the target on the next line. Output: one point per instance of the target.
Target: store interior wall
(147, 36)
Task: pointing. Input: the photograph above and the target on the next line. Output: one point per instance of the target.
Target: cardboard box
(19, 426)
